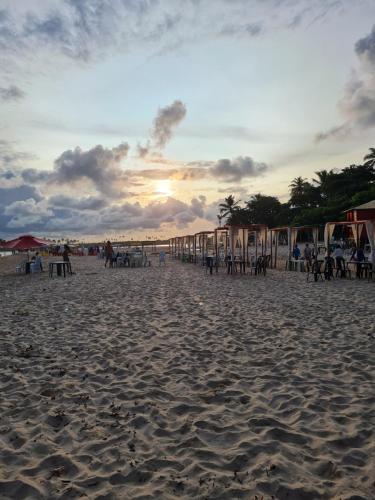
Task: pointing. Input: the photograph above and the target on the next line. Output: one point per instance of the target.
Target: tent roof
(25, 242)
(349, 223)
(365, 206)
(251, 227)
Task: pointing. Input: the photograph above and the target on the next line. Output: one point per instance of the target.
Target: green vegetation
(321, 200)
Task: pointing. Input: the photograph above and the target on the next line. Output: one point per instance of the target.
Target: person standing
(328, 266)
(340, 263)
(108, 252)
(65, 253)
(307, 253)
(162, 258)
(296, 252)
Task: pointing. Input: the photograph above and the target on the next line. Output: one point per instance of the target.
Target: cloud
(365, 48)
(239, 191)
(14, 194)
(102, 166)
(10, 198)
(9, 156)
(224, 170)
(358, 102)
(143, 150)
(86, 203)
(339, 132)
(11, 93)
(237, 169)
(7, 174)
(34, 176)
(28, 207)
(166, 120)
(248, 29)
(62, 214)
(83, 31)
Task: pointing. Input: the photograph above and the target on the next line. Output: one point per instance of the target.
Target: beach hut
(173, 247)
(179, 246)
(203, 246)
(221, 244)
(358, 232)
(283, 239)
(366, 211)
(188, 247)
(247, 242)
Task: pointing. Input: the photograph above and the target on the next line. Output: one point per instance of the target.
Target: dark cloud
(358, 102)
(166, 121)
(143, 150)
(87, 30)
(10, 156)
(11, 93)
(34, 176)
(247, 29)
(90, 216)
(100, 165)
(19, 193)
(365, 47)
(7, 174)
(339, 132)
(225, 170)
(87, 203)
(237, 169)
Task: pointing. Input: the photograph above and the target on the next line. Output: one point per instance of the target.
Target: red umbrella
(25, 242)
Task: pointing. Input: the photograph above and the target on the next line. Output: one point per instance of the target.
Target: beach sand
(166, 383)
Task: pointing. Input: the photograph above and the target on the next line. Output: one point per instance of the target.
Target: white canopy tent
(357, 228)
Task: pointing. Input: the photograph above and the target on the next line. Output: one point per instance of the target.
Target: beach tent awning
(26, 242)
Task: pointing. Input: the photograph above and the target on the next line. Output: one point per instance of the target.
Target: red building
(362, 212)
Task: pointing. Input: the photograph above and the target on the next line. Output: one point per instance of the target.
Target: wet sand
(168, 383)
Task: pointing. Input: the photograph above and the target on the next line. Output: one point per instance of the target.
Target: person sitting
(296, 252)
(36, 263)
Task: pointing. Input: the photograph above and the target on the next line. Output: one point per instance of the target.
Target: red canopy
(25, 242)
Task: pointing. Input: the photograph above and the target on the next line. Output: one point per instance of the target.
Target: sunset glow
(163, 187)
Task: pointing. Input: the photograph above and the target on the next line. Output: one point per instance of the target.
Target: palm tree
(323, 176)
(370, 158)
(298, 191)
(298, 185)
(229, 206)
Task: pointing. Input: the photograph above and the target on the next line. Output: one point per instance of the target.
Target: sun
(163, 187)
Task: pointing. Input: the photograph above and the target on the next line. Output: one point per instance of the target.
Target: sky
(135, 118)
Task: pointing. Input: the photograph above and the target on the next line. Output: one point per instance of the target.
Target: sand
(166, 383)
